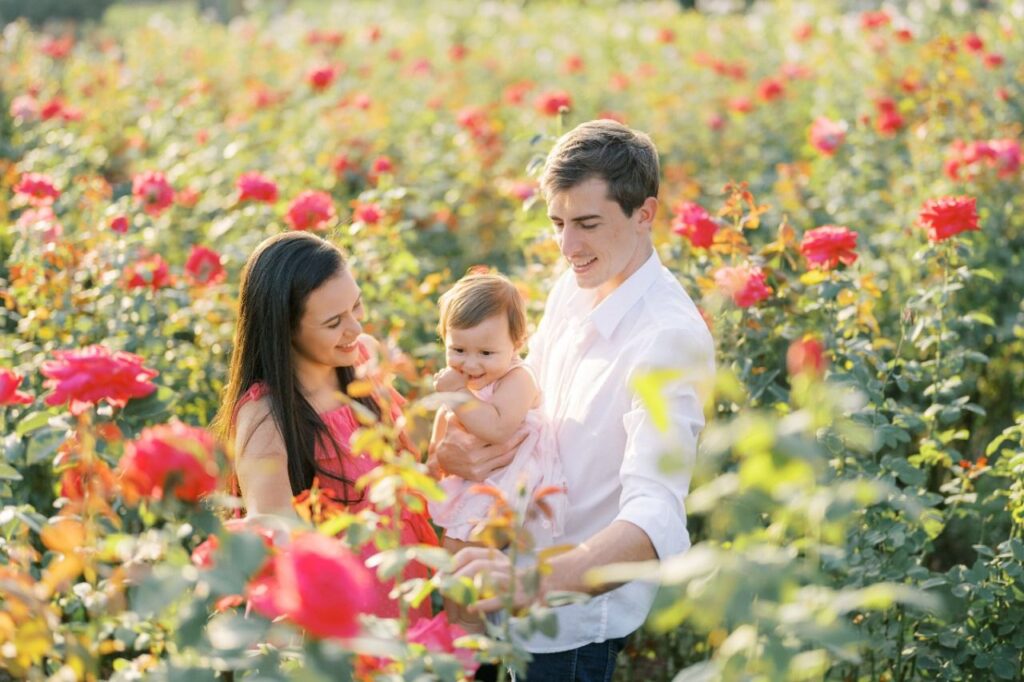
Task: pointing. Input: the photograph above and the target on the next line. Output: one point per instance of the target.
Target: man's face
(603, 245)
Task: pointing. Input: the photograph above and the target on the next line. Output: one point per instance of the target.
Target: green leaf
(1005, 669)
(43, 445)
(8, 473)
(649, 388)
(156, 404)
(32, 422)
(981, 317)
(237, 558)
(160, 589)
(234, 633)
(701, 672)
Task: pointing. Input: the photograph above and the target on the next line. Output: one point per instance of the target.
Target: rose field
(842, 194)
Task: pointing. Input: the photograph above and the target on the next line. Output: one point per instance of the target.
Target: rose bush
(857, 508)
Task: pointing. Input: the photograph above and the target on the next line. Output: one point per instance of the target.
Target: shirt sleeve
(661, 440)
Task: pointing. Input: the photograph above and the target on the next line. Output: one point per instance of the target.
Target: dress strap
(255, 392)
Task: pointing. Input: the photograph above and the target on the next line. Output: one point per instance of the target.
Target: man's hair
(624, 158)
(479, 296)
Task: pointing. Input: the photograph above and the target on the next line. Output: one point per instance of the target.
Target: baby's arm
(498, 420)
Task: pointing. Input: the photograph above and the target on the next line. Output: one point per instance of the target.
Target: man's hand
(449, 380)
(464, 455)
(492, 572)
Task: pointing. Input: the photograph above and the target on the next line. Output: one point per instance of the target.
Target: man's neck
(640, 256)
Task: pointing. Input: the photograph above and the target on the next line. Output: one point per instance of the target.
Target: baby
(483, 325)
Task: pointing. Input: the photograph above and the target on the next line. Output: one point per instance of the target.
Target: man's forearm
(619, 542)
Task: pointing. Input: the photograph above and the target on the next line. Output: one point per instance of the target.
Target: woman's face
(330, 324)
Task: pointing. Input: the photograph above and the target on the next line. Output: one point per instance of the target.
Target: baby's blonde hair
(479, 296)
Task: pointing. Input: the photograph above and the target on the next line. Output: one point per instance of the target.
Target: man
(616, 314)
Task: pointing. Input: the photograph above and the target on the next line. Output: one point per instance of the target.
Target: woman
(298, 342)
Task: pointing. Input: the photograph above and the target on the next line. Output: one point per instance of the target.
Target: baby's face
(482, 353)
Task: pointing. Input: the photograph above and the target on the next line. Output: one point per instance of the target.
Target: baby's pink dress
(536, 465)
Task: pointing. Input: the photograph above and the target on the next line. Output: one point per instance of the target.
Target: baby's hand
(449, 380)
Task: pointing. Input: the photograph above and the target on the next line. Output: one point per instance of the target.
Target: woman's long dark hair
(276, 281)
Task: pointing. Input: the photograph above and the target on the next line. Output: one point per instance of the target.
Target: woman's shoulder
(256, 432)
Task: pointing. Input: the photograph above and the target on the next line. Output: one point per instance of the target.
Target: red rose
(321, 76)
(438, 635)
(51, 109)
(573, 64)
(903, 35)
(9, 393)
(802, 32)
(826, 247)
(42, 221)
(745, 284)
(204, 267)
(796, 71)
(57, 48)
(174, 456)
(382, 165)
(947, 216)
(973, 42)
(1006, 155)
(693, 222)
(457, 52)
(149, 272)
(552, 102)
(119, 224)
(311, 211)
(771, 89)
(318, 584)
(522, 189)
(889, 121)
(153, 191)
(256, 187)
(368, 213)
(870, 21)
(827, 135)
(741, 105)
(187, 197)
(515, 93)
(806, 355)
(86, 376)
(994, 60)
(38, 189)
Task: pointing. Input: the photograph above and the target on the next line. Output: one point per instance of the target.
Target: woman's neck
(316, 380)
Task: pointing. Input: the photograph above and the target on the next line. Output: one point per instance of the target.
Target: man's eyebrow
(578, 219)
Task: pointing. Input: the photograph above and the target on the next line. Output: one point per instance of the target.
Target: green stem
(899, 647)
(944, 256)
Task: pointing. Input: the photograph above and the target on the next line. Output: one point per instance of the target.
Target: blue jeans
(589, 663)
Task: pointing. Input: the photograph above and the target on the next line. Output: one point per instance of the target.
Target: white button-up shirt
(585, 358)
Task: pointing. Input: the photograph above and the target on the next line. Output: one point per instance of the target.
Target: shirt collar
(609, 312)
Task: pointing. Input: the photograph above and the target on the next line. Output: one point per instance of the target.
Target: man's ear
(647, 211)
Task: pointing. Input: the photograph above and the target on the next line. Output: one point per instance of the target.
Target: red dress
(416, 529)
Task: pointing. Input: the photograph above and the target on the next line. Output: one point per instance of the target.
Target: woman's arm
(496, 421)
(261, 462)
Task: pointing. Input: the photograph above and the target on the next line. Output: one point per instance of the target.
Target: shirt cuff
(662, 517)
